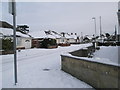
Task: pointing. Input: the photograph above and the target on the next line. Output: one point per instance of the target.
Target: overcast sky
(64, 16)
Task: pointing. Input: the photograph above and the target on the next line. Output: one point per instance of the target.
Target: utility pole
(12, 10)
(100, 28)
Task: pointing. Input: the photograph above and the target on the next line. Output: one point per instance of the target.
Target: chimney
(63, 34)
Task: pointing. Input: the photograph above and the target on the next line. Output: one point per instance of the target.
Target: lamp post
(95, 31)
(95, 24)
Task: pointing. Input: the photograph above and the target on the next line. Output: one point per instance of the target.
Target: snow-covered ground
(108, 54)
(32, 69)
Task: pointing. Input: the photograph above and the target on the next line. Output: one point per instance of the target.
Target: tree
(23, 29)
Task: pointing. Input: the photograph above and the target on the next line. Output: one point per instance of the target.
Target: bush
(7, 44)
(48, 42)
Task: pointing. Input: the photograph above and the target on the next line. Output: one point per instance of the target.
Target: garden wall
(96, 74)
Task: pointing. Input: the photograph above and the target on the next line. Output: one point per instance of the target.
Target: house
(69, 38)
(62, 39)
(65, 38)
(37, 38)
(23, 41)
(88, 38)
(41, 38)
(75, 39)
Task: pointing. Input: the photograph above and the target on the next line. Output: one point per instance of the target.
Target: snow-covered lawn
(107, 54)
(39, 68)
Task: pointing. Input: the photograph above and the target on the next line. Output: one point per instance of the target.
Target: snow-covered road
(39, 68)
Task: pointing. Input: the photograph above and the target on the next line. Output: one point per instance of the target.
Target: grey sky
(65, 16)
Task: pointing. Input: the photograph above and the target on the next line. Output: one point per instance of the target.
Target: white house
(23, 41)
(74, 38)
(59, 38)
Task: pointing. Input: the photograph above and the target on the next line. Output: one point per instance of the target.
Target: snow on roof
(67, 36)
(50, 36)
(9, 32)
(89, 37)
(41, 34)
(38, 34)
(74, 36)
(55, 34)
(22, 35)
(6, 31)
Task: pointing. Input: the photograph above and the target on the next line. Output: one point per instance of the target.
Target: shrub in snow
(48, 42)
(7, 44)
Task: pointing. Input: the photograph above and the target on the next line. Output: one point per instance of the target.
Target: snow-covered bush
(7, 44)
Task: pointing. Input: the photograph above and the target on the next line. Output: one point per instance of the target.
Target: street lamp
(95, 24)
(94, 43)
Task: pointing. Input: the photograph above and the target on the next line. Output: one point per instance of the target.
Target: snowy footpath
(39, 68)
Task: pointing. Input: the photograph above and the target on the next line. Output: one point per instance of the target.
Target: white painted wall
(65, 40)
(24, 42)
(61, 40)
(72, 40)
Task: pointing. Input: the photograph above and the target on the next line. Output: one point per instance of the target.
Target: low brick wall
(83, 52)
(96, 74)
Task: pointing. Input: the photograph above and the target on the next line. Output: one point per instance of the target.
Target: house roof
(74, 36)
(38, 34)
(51, 34)
(22, 35)
(55, 34)
(9, 32)
(4, 24)
(88, 36)
(42, 34)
